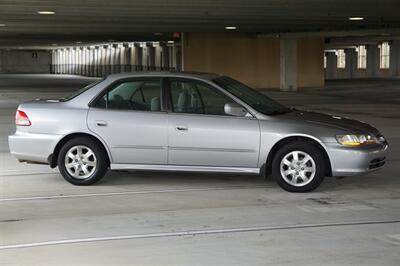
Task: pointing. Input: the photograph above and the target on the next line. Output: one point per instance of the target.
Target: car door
(201, 134)
(130, 118)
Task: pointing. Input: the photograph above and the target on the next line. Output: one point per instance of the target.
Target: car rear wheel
(82, 162)
(299, 167)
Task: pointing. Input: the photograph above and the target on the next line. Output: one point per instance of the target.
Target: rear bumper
(346, 161)
(32, 147)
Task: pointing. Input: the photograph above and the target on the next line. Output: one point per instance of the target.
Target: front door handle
(101, 123)
(181, 128)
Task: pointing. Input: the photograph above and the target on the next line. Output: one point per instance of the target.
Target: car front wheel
(299, 167)
(82, 162)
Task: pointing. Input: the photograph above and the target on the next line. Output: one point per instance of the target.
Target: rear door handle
(181, 128)
(101, 123)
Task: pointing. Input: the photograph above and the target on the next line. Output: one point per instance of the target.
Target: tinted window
(256, 100)
(197, 98)
(142, 95)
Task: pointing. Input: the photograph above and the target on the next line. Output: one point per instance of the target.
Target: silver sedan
(190, 122)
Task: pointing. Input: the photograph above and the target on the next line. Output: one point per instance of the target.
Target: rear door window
(139, 95)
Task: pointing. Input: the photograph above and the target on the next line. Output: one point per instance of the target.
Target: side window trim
(118, 82)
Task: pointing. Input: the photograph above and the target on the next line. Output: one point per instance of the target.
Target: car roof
(179, 74)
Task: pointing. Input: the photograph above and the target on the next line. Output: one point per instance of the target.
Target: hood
(336, 121)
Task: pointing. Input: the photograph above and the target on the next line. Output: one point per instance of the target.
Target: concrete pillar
(132, 59)
(373, 60)
(60, 60)
(331, 65)
(114, 58)
(288, 64)
(90, 61)
(81, 60)
(97, 61)
(78, 61)
(103, 60)
(158, 56)
(351, 63)
(395, 58)
(172, 57)
(107, 70)
(139, 56)
(73, 60)
(165, 56)
(84, 61)
(64, 61)
(68, 61)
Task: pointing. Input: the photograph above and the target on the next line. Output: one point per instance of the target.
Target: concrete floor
(143, 218)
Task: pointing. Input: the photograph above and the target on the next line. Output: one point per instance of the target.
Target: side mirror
(235, 110)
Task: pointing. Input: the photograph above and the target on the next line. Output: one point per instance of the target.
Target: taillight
(22, 119)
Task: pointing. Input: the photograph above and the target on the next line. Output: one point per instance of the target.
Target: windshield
(81, 91)
(256, 100)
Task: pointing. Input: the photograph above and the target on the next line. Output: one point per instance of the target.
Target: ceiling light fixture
(356, 18)
(78, 42)
(46, 12)
(230, 28)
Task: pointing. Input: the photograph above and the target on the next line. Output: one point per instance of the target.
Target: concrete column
(351, 63)
(65, 61)
(158, 56)
(60, 60)
(140, 51)
(165, 56)
(69, 60)
(114, 58)
(107, 59)
(132, 60)
(331, 63)
(395, 58)
(73, 60)
(53, 62)
(97, 60)
(145, 56)
(84, 61)
(90, 61)
(128, 55)
(77, 60)
(373, 60)
(288, 64)
(81, 60)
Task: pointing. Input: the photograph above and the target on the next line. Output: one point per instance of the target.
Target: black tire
(100, 155)
(313, 151)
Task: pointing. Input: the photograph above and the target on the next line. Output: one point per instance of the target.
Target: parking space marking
(129, 193)
(24, 172)
(193, 233)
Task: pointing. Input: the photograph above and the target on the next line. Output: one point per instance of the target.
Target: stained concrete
(155, 218)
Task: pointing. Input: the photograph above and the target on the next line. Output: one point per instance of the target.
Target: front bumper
(346, 161)
(32, 147)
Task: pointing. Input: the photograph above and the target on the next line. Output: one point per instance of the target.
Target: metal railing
(102, 70)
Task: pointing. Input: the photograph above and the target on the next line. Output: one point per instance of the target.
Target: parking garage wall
(25, 61)
(372, 70)
(105, 59)
(256, 61)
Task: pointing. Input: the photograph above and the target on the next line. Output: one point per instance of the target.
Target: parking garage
(340, 58)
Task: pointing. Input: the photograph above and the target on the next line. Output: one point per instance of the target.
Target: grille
(376, 163)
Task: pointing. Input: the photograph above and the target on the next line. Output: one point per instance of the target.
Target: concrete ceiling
(102, 20)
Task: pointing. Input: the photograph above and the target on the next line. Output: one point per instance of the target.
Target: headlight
(355, 140)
